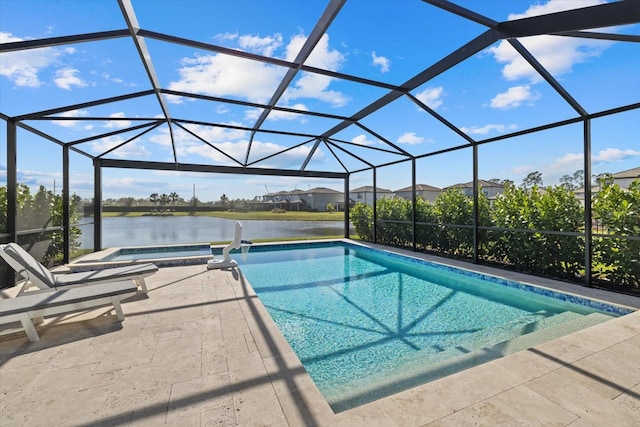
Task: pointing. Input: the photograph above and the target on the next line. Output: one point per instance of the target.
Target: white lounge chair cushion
(128, 271)
(37, 304)
(27, 266)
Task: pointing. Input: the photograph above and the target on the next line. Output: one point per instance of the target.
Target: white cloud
(315, 86)
(224, 75)
(254, 113)
(232, 142)
(614, 154)
(72, 113)
(553, 6)
(131, 150)
(474, 130)
(381, 61)
(119, 124)
(276, 115)
(225, 37)
(522, 169)
(557, 54)
(410, 138)
(362, 140)
(432, 97)
(23, 67)
(265, 46)
(575, 160)
(514, 97)
(66, 77)
(108, 77)
(211, 134)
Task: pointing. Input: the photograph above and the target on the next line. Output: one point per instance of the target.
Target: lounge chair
(38, 275)
(34, 305)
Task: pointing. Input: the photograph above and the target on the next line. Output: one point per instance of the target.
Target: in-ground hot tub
(162, 256)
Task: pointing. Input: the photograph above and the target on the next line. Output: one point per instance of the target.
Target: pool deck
(200, 350)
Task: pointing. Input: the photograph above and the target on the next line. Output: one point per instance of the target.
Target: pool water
(366, 324)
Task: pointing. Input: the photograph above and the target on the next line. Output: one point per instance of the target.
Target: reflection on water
(148, 230)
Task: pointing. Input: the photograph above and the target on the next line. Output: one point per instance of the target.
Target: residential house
(427, 192)
(314, 199)
(625, 178)
(365, 194)
(489, 189)
(318, 198)
(287, 200)
(622, 179)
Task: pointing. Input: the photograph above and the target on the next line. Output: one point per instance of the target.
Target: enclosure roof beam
(44, 113)
(187, 167)
(599, 16)
(145, 56)
(60, 41)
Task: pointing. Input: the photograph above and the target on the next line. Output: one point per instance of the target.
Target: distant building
(622, 179)
(365, 194)
(319, 197)
(427, 192)
(489, 189)
(314, 199)
(625, 178)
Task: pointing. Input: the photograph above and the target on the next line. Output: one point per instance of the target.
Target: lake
(157, 230)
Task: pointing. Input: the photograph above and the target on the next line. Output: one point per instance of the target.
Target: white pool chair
(36, 274)
(33, 306)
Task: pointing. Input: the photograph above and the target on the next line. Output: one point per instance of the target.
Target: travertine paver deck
(200, 350)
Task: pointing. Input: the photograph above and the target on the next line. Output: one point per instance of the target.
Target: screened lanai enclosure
(501, 132)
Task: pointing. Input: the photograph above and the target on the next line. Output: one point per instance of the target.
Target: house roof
(369, 189)
(631, 173)
(419, 187)
(481, 182)
(323, 190)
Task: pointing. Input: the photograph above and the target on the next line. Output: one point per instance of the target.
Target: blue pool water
(367, 324)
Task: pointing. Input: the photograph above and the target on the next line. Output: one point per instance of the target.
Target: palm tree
(174, 198)
(154, 199)
(164, 199)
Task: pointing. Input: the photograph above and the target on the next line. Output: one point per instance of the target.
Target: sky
(493, 93)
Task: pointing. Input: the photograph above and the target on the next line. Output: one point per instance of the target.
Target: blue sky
(493, 93)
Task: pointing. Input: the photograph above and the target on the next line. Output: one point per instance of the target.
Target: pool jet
(227, 261)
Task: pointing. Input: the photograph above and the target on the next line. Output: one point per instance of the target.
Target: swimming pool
(367, 323)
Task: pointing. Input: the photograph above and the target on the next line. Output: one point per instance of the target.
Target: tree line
(513, 230)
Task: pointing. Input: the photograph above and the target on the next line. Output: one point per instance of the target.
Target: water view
(155, 230)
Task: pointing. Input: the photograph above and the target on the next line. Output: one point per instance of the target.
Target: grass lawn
(261, 215)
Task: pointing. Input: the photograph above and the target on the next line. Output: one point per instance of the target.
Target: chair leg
(118, 308)
(143, 284)
(27, 325)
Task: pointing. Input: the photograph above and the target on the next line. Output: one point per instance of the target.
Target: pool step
(549, 333)
(422, 367)
(502, 335)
